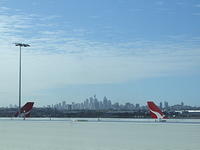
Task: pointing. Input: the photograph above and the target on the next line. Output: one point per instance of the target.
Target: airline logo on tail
(155, 111)
(25, 110)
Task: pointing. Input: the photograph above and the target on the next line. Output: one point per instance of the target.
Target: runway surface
(94, 134)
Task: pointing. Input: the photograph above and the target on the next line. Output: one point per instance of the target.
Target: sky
(128, 50)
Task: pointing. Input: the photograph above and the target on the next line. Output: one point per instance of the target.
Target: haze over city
(127, 50)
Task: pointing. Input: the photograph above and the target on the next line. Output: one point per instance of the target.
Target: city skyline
(127, 50)
(95, 103)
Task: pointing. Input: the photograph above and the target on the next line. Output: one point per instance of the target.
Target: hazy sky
(127, 50)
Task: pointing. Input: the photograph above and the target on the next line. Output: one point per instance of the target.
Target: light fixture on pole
(20, 45)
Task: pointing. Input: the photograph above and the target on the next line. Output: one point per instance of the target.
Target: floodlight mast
(20, 78)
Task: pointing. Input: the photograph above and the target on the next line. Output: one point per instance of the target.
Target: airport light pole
(20, 64)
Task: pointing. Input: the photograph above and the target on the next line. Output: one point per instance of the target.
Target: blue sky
(127, 50)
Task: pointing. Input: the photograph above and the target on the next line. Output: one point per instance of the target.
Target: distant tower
(105, 102)
(182, 104)
(166, 105)
(160, 105)
(91, 103)
(96, 102)
(137, 106)
(69, 107)
(63, 104)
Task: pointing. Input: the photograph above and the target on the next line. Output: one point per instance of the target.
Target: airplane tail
(155, 111)
(25, 110)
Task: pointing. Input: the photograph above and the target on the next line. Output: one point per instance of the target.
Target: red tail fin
(25, 110)
(155, 111)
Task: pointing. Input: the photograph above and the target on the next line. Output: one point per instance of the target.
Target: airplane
(25, 110)
(155, 112)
